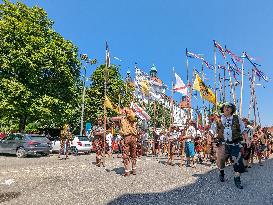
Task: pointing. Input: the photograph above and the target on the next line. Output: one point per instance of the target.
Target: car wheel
(45, 154)
(75, 151)
(21, 153)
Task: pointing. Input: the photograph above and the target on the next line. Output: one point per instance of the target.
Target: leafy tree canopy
(119, 93)
(39, 69)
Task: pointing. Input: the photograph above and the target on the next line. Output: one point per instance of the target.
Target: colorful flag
(180, 86)
(236, 58)
(222, 51)
(140, 112)
(193, 55)
(205, 91)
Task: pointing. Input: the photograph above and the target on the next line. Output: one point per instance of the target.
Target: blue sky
(158, 32)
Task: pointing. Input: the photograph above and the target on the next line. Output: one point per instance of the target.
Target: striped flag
(236, 58)
(180, 86)
(222, 51)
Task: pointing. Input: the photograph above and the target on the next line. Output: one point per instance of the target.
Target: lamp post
(85, 58)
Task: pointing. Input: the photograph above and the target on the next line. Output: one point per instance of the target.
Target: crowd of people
(227, 139)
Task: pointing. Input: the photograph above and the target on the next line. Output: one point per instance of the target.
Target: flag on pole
(193, 55)
(108, 104)
(236, 58)
(140, 112)
(180, 86)
(222, 51)
(205, 91)
(107, 56)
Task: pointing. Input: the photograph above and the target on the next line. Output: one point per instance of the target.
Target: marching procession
(227, 140)
(178, 113)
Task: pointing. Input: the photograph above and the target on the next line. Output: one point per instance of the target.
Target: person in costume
(128, 130)
(98, 132)
(189, 144)
(65, 138)
(230, 131)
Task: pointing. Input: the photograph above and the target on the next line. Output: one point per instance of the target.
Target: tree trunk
(22, 123)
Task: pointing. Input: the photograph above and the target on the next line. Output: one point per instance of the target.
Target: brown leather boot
(134, 171)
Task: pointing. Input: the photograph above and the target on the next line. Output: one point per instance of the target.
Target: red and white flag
(222, 51)
(180, 86)
(140, 112)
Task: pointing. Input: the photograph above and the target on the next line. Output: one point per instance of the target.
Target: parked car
(80, 144)
(25, 144)
(56, 144)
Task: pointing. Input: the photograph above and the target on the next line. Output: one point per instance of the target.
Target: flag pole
(220, 87)
(242, 87)
(107, 61)
(203, 102)
(188, 84)
(171, 123)
(215, 71)
(232, 91)
(251, 94)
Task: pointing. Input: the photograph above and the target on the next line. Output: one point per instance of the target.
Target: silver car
(25, 144)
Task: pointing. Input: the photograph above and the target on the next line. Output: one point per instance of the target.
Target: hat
(228, 104)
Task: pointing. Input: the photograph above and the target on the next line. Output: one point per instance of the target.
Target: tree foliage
(117, 91)
(160, 116)
(39, 69)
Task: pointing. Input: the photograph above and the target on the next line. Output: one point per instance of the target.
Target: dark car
(25, 144)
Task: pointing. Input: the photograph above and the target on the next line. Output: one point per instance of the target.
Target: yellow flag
(108, 104)
(205, 91)
(145, 88)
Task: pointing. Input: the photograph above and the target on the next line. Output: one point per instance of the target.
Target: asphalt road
(47, 180)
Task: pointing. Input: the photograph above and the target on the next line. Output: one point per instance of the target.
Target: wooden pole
(242, 87)
(232, 92)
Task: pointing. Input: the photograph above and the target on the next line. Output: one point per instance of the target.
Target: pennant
(180, 87)
(193, 55)
(222, 51)
(258, 72)
(205, 92)
(236, 58)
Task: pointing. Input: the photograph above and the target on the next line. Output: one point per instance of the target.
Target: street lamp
(87, 61)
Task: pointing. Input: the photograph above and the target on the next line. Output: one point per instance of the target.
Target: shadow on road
(207, 189)
(4, 197)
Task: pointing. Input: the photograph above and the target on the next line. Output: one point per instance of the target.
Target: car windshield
(81, 138)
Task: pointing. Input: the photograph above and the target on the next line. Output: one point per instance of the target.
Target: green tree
(160, 115)
(119, 93)
(39, 69)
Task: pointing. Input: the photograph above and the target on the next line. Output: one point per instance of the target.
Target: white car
(80, 144)
(56, 146)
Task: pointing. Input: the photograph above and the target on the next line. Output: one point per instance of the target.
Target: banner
(205, 92)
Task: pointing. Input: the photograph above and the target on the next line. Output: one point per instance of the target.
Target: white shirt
(227, 123)
(191, 132)
(109, 139)
(161, 138)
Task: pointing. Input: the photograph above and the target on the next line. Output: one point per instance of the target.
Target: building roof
(153, 68)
